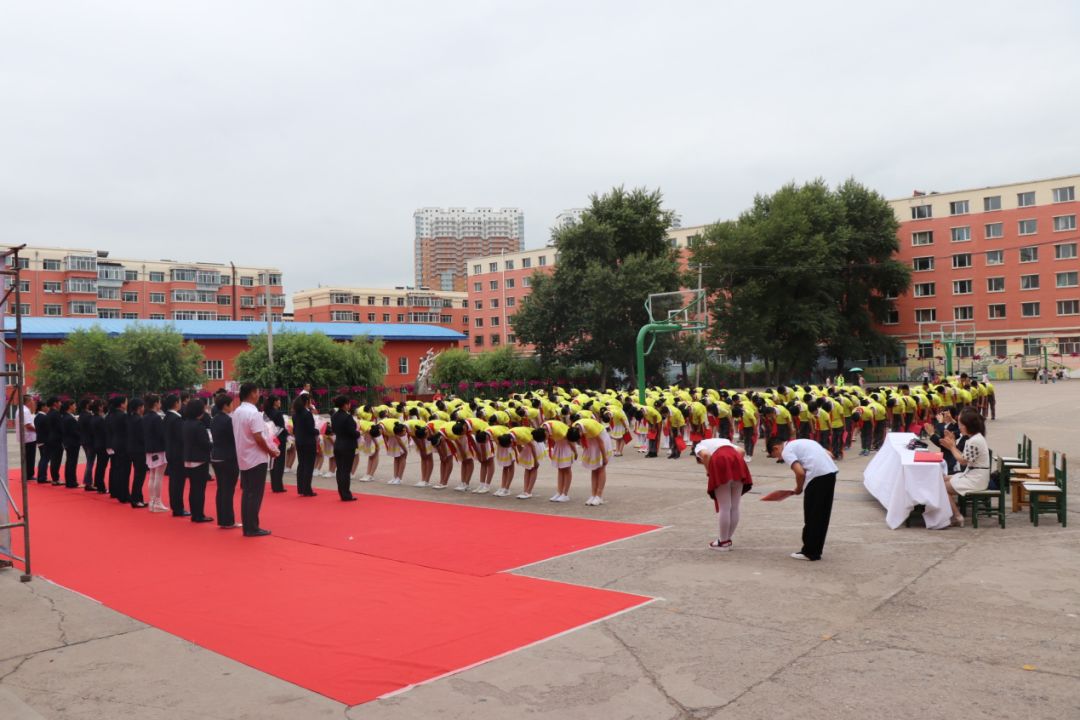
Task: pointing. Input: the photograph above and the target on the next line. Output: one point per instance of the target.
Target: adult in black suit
(272, 410)
(55, 443)
(41, 427)
(196, 458)
(86, 439)
(174, 455)
(306, 442)
(223, 458)
(153, 429)
(101, 446)
(69, 425)
(136, 451)
(346, 437)
(116, 424)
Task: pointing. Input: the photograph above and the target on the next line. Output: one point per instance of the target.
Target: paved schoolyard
(907, 623)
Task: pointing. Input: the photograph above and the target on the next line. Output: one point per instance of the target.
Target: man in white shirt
(26, 419)
(253, 453)
(815, 472)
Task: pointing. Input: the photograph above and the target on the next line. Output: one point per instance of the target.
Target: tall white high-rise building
(446, 237)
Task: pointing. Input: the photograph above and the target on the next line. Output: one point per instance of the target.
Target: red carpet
(348, 625)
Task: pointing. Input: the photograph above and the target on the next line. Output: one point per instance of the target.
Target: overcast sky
(303, 134)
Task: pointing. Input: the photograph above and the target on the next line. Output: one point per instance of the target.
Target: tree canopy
(804, 267)
(591, 307)
(312, 358)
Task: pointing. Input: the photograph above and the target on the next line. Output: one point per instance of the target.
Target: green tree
(86, 362)
(454, 366)
(312, 358)
(591, 307)
(158, 359)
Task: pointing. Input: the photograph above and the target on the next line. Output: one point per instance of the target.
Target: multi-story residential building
(76, 282)
(383, 305)
(498, 285)
(684, 239)
(1001, 262)
(567, 217)
(446, 237)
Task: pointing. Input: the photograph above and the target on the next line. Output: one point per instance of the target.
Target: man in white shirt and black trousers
(253, 454)
(815, 472)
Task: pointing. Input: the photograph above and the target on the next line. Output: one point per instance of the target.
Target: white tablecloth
(899, 483)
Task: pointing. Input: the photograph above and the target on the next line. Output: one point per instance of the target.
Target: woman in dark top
(120, 461)
(346, 437)
(153, 430)
(196, 457)
(86, 439)
(136, 451)
(70, 433)
(272, 410)
(307, 439)
(223, 457)
(101, 445)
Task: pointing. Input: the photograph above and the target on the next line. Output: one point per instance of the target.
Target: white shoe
(462, 488)
(437, 486)
(289, 470)
(524, 496)
(501, 492)
(748, 458)
(393, 481)
(420, 483)
(799, 556)
(482, 490)
(599, 501)
(366, 478)
(563, 498)
(554, 498)
(591, 501)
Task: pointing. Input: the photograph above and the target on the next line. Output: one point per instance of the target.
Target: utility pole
(269, 322)
(701, 309)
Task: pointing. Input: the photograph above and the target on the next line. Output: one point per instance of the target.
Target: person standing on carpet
(41, 428)
(174, 455)
(101, 447)
(196, 439)
(29, 454)
(306, 441)
(815, 472)
(55, 441)
(153, 428)
(272, 410)
(136, 451)
(116, 439)
(729, 478)
(86, 439)
(253, 454)
(346, 438)
(223, 458)
(72, 443)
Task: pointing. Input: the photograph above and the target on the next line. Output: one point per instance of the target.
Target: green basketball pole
(656, 328)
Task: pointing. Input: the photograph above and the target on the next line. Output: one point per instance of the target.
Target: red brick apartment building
(383, 305)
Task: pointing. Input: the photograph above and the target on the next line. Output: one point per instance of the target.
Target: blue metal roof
(50, 328)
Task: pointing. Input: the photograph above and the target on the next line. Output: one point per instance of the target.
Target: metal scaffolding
(11, 267)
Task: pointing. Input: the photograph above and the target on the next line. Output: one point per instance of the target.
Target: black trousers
(817, 509)
(252, 487)
(867, 435)
(344, 460)
(56, 457)
(177, 475)
(29, 459)
(120, 477)
(88, 473)
(837, 441)
(71, 466)
(43, 465)
(804, 429)
(101, 466)
(138, 477)
(879, 434)
(197, 478)
(227, 473)
(277, 468)
(305, 466)
(725, 428)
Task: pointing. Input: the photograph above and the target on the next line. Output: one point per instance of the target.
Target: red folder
(778, 495)
(927, 456)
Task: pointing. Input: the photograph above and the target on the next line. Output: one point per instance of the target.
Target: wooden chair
(1018, 477)
(982, 502)
(1049, 497)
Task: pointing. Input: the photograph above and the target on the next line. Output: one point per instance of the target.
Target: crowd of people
(131, 445)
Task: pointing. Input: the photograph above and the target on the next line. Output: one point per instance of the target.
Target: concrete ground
(891, 623)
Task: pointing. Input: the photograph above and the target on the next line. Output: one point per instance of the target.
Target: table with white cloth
(899, 483)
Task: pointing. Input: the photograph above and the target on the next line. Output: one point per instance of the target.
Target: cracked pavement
(955, 623)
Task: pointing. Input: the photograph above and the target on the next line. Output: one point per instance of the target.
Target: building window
(1029, 254)
(475, 269)
(371, 300)
(108, 314)
(185, 296)
(247, 281)
(493, 285)
(224, 299)
(371, 317)
(963, 312)
(999, 348)
(961, 287)
(479, 322)
(526, 262)
(1029, 309)
(403, 366)
(82, 285)
(1028, 227)
(247, 301)
(51, 286)
(961, 234)
(1067, 279)
(991, 202)
(214, 369)
(961, 260)
(131, 275)
(925, 315)
(478, 287)
(1064, 194)
(159, 316)
(892, 317)
(926, 350)
(386, 317)
(965, 349)
(157, 277)
(86, 263)
(995, 284)
(510, 302)
(494, 321)
(922, 264)
(493, 267)
(401, 317)
(508, 265)
(135, 316)
(924, 289)
(342, 316)
(995, 257)
(1032, 346)
(340, 298)
(1029, 282)
(478, 341)
(78, 307)
(494, 302)
(1025, 199)
(994, 230)
(495, 339)
(53, 310)
(543, 260)
(1068, 307)
(1064, 222)
(1069, 345)
(511, 339)
(921, 212)
(958, 207)
(157, 298)
(50, 265)
(996, 311)
(107, 293)
(24, 308)
(509, 284)
(401, 302)
(131, 297)
(925, 237)
(526, 282)
(1066, 251)
(478, 304)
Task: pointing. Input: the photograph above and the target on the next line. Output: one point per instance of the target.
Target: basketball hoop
(685, 308)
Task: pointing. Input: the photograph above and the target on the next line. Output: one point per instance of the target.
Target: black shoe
(101, 491)
(351, 498)
(182, 513)
(57, 482)
(203, 519)
(138, 505)
(277, 491)
(650, 455)
(257, 533)
(309, 494)
(88, 488)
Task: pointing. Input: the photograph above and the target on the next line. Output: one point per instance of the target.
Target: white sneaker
(554, 498)
(748, 458)
(366, 478)
(501, 492)
(799, 556)
(420, 483)
(393, 481)
(563, 498)
(599, 501)
(482, 490)
(462, 488)
(437, 486)
(591, 501)
(289, 470)
(524, 496)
